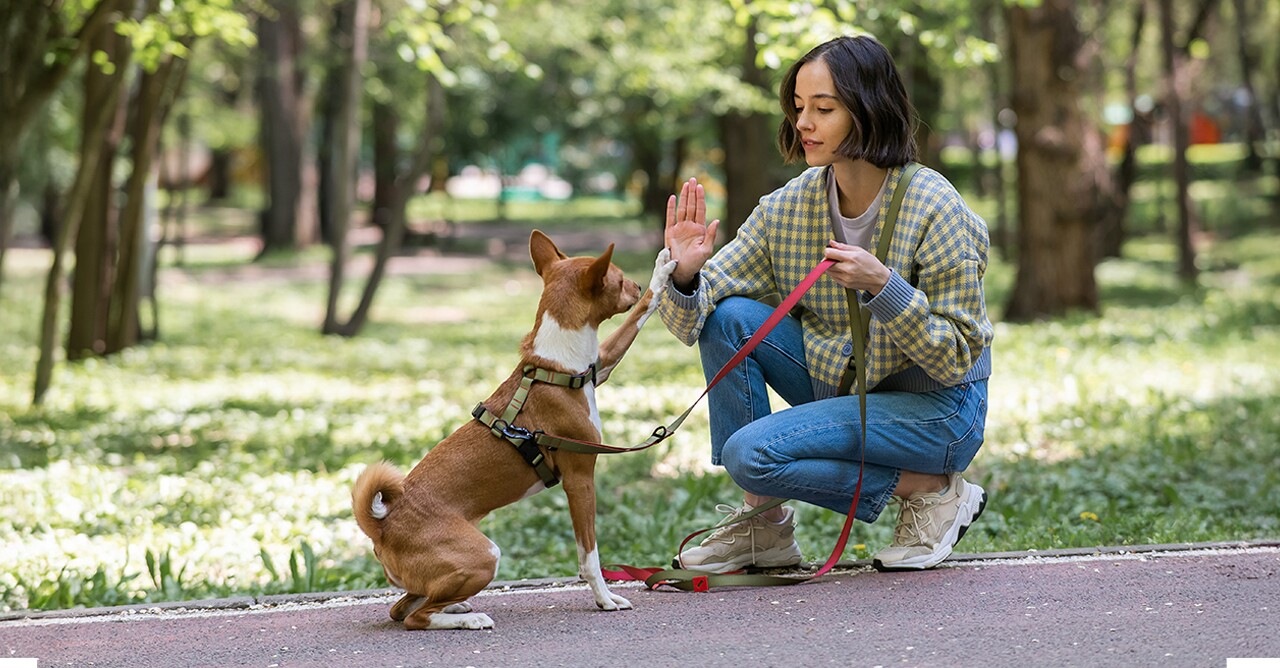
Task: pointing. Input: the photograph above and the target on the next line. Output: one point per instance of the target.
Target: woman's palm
(687, 234)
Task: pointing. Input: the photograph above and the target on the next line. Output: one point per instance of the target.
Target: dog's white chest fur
(575, 349)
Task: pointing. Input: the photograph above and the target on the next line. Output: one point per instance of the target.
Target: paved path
(1162, 608)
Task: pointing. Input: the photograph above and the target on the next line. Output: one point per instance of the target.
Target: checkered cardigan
(929, 326)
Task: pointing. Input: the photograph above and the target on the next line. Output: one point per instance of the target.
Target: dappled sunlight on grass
(226, 450)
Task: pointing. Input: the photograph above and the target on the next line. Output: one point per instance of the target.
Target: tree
(1254, 133)
(44, 42)
(747, 136)
(285, 95)
(431, 33)
(351, 38)
(1058, 197)
(1111, 228)
(1173, 59)
(109, 279)
(96, 235)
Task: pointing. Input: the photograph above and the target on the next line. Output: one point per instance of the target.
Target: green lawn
(219, 460)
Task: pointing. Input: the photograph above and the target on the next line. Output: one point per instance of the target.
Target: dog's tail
(374, 496)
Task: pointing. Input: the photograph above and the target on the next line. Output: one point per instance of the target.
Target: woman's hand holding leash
(687, 234)
(856, 268)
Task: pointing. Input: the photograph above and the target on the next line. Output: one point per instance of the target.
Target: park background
(249, 246)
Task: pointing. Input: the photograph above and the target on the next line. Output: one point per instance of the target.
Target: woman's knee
(742, 461)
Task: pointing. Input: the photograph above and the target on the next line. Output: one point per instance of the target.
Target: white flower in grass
(69, 508)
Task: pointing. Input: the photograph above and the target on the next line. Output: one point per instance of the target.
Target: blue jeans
(810, 452)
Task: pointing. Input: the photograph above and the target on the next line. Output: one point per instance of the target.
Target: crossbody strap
(859, 315)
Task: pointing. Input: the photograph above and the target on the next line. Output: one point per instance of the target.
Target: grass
(219, 460)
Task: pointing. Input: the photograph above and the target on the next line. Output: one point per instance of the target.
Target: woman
(928, 353)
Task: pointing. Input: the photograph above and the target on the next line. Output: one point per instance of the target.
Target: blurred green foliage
(218, 461)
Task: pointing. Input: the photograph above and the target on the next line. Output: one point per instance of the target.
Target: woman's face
(822, 121)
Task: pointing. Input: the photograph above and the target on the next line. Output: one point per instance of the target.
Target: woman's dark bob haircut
(868, 84)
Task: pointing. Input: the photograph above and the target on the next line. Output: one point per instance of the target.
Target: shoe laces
(732, 529)
(914, 520)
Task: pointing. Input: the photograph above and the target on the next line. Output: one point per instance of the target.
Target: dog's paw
(611, 601)
(457, 608)
(444, 620)
(474, 620)
(663, 266)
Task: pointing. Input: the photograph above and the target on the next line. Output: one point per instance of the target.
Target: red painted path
(1166, 607)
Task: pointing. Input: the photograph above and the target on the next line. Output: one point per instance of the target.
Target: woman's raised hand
(687, 234)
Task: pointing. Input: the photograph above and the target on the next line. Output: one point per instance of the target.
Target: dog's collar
(571, 381)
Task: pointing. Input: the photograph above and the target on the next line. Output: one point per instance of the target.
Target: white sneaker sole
(777, 557)
(971, 508)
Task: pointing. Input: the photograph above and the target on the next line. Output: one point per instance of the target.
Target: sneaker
(930, 524)
(756, 542)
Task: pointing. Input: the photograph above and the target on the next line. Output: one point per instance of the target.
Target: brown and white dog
(423, 525)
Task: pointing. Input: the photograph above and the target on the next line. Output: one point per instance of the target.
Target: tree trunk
(1254, 133)
(395, 214)
(747, 150)
(330, 105)
(156, 94)
(995, 177)
(1187, 227)
(747, 141)
(925, 90)
(1056, 197)
(386, 163)
(97, 236)
(91, 149)
(1111, 230)
(29, 76)
(282, 129)
(647, 152)
(8, 200)
(351, 33)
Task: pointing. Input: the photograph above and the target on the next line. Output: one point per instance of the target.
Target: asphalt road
(1162, 608)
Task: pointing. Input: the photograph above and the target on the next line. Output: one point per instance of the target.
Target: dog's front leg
(614, 347)
(579, 487)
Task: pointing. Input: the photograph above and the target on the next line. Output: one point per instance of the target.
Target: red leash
(693, 580)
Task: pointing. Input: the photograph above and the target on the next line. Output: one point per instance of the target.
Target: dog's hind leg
(464, 566)
(452, 611)
(411, 602)
(406, 605)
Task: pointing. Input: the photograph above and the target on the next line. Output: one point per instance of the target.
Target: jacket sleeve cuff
(892, 300)
(685, 301)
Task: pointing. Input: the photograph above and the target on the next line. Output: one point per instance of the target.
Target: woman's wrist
(685, 285)
(885, 274)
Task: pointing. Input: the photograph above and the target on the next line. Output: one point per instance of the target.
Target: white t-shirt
(856, 231)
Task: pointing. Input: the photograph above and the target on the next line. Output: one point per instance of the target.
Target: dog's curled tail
(374, 495)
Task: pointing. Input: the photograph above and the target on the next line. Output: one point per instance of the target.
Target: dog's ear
(593, 278)
(543, 251)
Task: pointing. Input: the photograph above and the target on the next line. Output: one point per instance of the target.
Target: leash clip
(514, 432)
